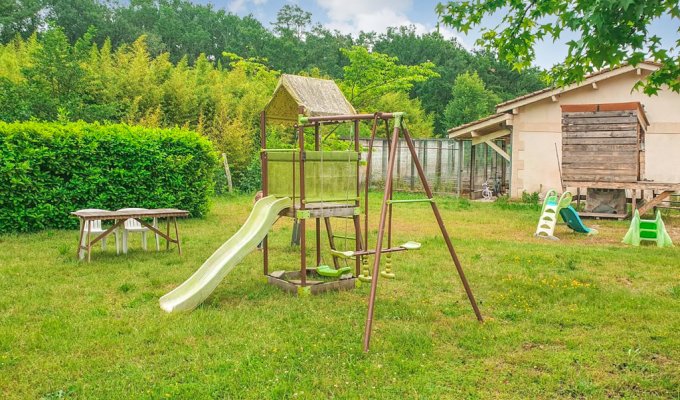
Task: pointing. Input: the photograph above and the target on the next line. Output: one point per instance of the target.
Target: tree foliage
(371, 75)
(470, 100)
(610, 33)
(50, 79)
(48, 170)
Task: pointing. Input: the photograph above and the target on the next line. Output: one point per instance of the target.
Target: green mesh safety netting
(329, 175)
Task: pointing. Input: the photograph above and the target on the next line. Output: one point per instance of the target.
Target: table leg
(80, 254)
(179, 244)
(89, 243)
(167, 233)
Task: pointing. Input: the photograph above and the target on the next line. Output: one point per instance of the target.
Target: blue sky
(353, 16)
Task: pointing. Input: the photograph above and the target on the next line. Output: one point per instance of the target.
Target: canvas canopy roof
(317, 96)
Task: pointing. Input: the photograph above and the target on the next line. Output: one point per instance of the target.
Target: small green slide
(573, 220)
(652, 230)
(198, 287)
(553, 205)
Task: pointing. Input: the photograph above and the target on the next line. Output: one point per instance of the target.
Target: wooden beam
(498, 150)
(594, 85)
(515, 111)
(640, 185)
(477, 139)
(553, 98)
(655, 201)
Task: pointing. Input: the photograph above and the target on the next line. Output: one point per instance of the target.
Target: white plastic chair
(132, 225)
(93, 226)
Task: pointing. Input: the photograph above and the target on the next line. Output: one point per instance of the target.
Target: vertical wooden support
(379, 240)
(317, 221)
(331, 240)
(357, 203)
(263, 162)
(438, 167)
(472, 168)
(303, 221)
(460, 168)
(369, 158)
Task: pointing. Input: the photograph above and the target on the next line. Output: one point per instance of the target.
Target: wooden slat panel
(624, 155)
(598, 114)
(603, 134)
(585, 162)
(600, 127)
(598, 178)
(599, 120)
(633, 184)
(601, 170)
(604, 141)
(599, 147)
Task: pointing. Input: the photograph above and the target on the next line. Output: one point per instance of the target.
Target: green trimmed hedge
(48, 170)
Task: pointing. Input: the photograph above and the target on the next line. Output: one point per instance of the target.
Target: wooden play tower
(326, 185)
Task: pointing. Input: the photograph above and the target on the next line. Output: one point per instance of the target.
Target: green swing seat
(410, 245)
(325, 270)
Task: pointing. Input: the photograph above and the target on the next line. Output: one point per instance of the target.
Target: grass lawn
(585, 317)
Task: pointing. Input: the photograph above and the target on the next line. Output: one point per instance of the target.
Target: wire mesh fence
(446, 163)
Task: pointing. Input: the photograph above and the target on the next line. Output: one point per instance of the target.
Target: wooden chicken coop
(603, 149)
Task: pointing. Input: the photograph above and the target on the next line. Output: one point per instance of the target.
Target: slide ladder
(652, 230)
(551, 209)
(198, 287)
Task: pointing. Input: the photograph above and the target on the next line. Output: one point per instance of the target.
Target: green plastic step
(648, 235)
(648, 225)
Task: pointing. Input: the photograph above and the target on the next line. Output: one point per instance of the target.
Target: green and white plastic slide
(198, 287)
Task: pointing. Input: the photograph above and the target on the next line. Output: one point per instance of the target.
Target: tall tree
(471, 100)
(19, 17)
(370, 75)
(610, 33)
(292, 20)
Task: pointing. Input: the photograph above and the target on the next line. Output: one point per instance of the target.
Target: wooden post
(357, 202)
(379, 241)
(317, 221)
(263, 161)
(459, 166)
(303, 231)
(438, 167)
(227, 172)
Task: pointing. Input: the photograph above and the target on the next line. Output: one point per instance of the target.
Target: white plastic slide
(198, 287)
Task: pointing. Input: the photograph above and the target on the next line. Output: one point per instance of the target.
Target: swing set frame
(351, 208)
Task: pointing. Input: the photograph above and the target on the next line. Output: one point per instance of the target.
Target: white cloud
(238, 6)
(353, 16)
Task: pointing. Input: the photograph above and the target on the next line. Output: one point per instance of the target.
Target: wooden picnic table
(119, 218)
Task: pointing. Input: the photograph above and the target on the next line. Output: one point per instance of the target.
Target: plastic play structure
(652, 230)
(554, 205)
(312, 185)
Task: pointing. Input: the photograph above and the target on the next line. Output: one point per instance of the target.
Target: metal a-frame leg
(381, 231)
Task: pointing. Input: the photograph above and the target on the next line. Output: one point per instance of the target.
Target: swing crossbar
(426, 200)
(352, 254)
